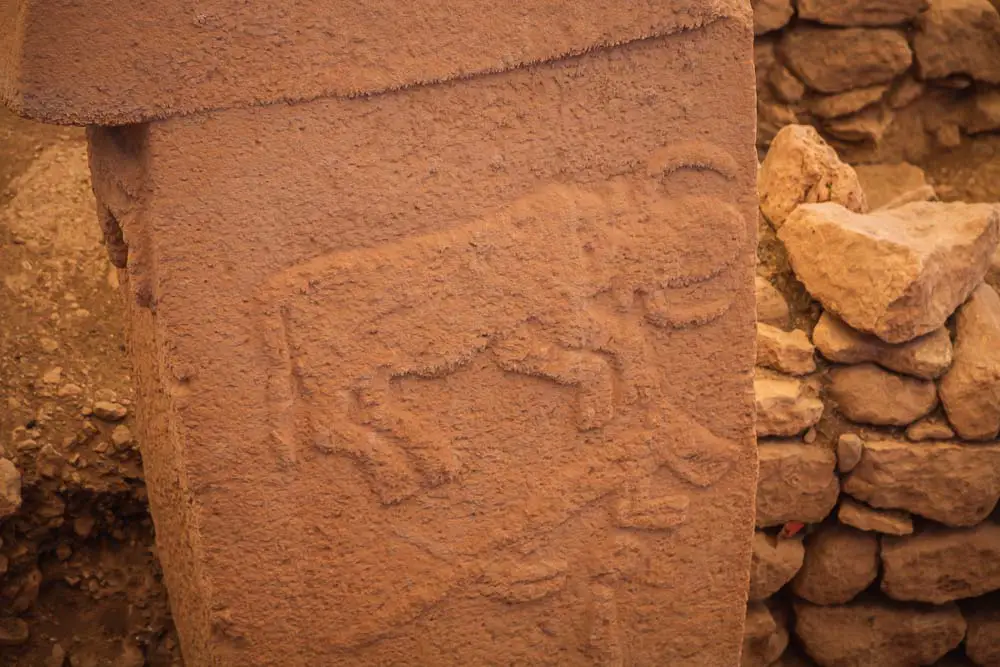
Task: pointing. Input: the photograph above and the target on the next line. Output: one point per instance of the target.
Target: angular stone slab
(939, 566)
(953, 483)
(897, 274)
(878, 632)
(454, 372)
(970, 390)
(925, 357)
(109, 61)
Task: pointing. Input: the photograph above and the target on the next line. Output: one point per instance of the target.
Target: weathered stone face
(939, 566)
(801, 168)
(970, 390)
(481, 350)
(840, 562)
(774, 562)
(959, 37)
(67, 62)
(797, 483)
(870, 632)
(834, 60)
(925, 357)
(897, 274)
(869, 395)
(952, 483)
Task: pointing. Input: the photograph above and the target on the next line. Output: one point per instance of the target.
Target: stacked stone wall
(878, 398)
(883, 80)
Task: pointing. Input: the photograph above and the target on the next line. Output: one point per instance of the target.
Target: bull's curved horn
(691, 155)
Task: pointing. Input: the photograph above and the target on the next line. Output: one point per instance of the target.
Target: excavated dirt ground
(80, 552)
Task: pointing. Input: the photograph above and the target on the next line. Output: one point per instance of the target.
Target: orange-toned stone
(117, 61)
(458, 371)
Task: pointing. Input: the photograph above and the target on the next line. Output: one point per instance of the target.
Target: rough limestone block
(941, 565)
(886, 183)
(861, 12)
(455, 374)
(112, 61)
(867, 394)
(897, 274)
(970, 390)
(774, 562)
(959, 37)
(840, 562)
(878, 632)
(785, 406)
(953, 483)
(925, 357)
(832, 60)
(797, 483)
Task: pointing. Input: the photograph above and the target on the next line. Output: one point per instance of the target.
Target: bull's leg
(430, 450)
(606, 645)
(589, 372)
(386, 468)
(695, 453)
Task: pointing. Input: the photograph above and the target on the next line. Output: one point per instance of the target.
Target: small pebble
(70, 390)
(121, 436)
(53, 375)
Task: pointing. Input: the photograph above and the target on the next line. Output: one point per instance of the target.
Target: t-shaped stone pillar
(451, 365)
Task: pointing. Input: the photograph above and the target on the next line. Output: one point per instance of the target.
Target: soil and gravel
(78, 569)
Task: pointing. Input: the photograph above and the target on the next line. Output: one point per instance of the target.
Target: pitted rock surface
(800, 167)
(970, 390)
(940, 565)
(953, 483)
(899, 273)
(840, 563)
(797, 483)
(867, 394)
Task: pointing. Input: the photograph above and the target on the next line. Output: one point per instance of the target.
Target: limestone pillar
(442, 317)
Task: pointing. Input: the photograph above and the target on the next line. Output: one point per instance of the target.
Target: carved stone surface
(455, 372)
